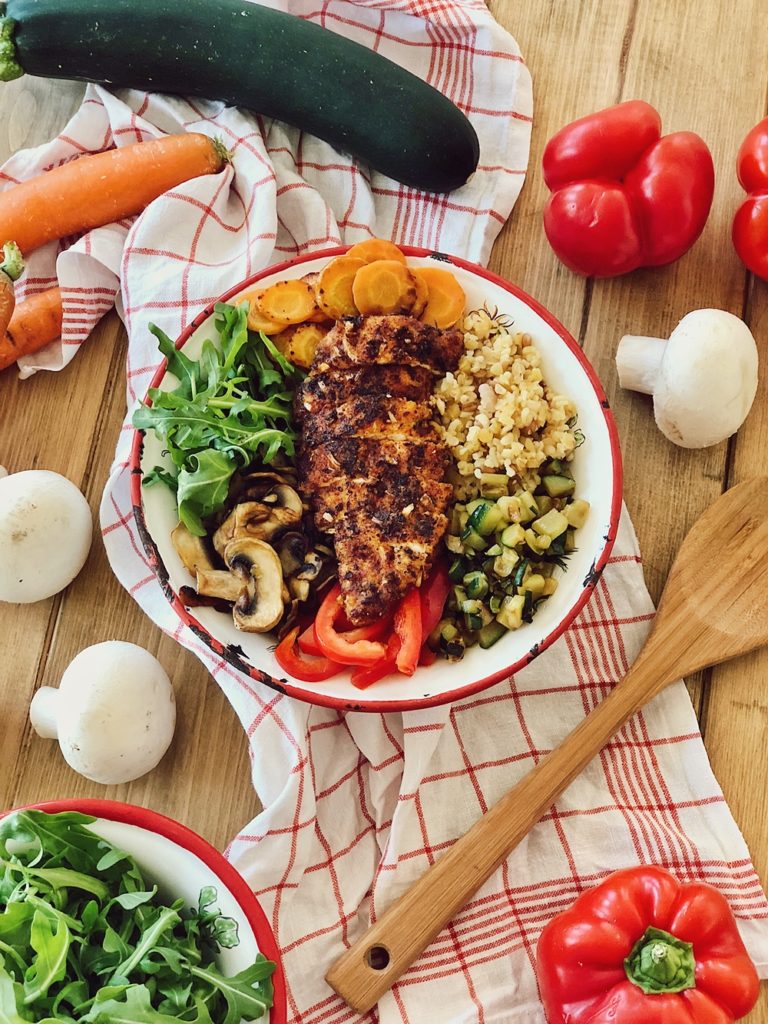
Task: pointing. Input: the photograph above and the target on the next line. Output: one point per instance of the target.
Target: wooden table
(705, 67)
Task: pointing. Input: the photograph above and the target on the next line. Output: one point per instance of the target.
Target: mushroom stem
(44, 712)
(638, 360)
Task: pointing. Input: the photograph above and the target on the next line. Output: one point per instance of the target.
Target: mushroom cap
(116, 712)
(45, 535)
(708, 379)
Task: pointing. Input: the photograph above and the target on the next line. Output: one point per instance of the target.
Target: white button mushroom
(113, 714)
(45, 535)
(703, 380)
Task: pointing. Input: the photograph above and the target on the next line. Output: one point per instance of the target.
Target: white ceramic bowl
(596, 467)
(181, 862)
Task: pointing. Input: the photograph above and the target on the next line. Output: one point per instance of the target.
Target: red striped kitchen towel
(357, 806)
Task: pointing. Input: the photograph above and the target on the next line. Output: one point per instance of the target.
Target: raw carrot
(376, 249)
(334, 287)
(384, 287)
(100, 188)
(35, 323)
(446, 300)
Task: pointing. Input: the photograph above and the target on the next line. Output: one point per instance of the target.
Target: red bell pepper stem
(309, 670)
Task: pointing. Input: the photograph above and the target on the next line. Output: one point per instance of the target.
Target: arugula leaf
(231, 407)
(85, 938)
(51, 945)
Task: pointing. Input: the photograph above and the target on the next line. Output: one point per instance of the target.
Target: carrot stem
(13, 264)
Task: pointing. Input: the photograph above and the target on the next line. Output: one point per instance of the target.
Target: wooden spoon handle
(389, 947)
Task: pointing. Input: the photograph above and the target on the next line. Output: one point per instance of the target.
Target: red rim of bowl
(181, 835)
(283, 685)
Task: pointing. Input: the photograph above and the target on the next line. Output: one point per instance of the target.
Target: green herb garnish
(83, 937)
(231, 407)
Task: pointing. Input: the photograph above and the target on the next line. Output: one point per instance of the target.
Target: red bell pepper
(333, 644)
(309, 670)
(373, 631)
(642, 948)
(409, 629)
(750, 225)
(623, 196)
(363, 676)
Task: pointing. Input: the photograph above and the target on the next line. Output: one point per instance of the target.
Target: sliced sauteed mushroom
(219, 583)
(311, 567)
(292, 551)
(191, 550)
(299, 589)
(260, 605)
(277, 510)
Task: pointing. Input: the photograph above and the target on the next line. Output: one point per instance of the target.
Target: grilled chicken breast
(371, 463)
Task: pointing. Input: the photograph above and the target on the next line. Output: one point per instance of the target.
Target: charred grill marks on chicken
(371, 464)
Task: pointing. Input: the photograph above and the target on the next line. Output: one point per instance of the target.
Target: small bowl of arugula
(112, 912)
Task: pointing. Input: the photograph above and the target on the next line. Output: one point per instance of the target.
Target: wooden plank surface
(706, 68)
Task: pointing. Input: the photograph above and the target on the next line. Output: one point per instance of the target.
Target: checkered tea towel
(357, 806)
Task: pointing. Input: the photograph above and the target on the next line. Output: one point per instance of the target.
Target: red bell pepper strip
(750, 225)
(408, 628)
(428, 656)
(309, 670)
(642, 948)
(363, 676)
(623, 196)
(334, 645)
(373, 631)
(434, 593)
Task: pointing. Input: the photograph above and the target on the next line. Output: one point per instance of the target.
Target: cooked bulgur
(496, 411)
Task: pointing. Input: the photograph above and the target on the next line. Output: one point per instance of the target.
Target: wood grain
(706, 68)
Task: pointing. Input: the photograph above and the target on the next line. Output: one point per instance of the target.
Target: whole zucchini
(250, 56)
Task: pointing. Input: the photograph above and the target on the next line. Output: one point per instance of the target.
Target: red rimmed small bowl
(596, 467)
(181, 862)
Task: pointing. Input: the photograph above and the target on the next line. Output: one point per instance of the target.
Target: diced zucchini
(460, 596)
(576, 513)
(510, 508)
(558, 486)
(493, 485)
(535, 583)
(476, 584)
(528, 508)
(504, 565)
(454, 544)
(511, 612)
(544, 502)
(550, 586)
(536, 543)
(473, 622)
(495, 603)
(485, 518)
(551, 525)
(513, 536)
(471, 606)
(527, 606)
(473, 541)
(569, 545)
(556, 467)
(457, 570)
(522, 569)
(494, 550)
(490, 633)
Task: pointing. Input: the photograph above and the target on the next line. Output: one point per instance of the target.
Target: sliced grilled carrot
(384, 287)
(446, 300)
(334, 288)
(288, 302)
(376, 249)
(298, 344)
(257, 322)
(35, 323)
(317, 316)
(422, 294)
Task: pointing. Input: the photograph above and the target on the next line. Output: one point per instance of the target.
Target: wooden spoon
(714, 606)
